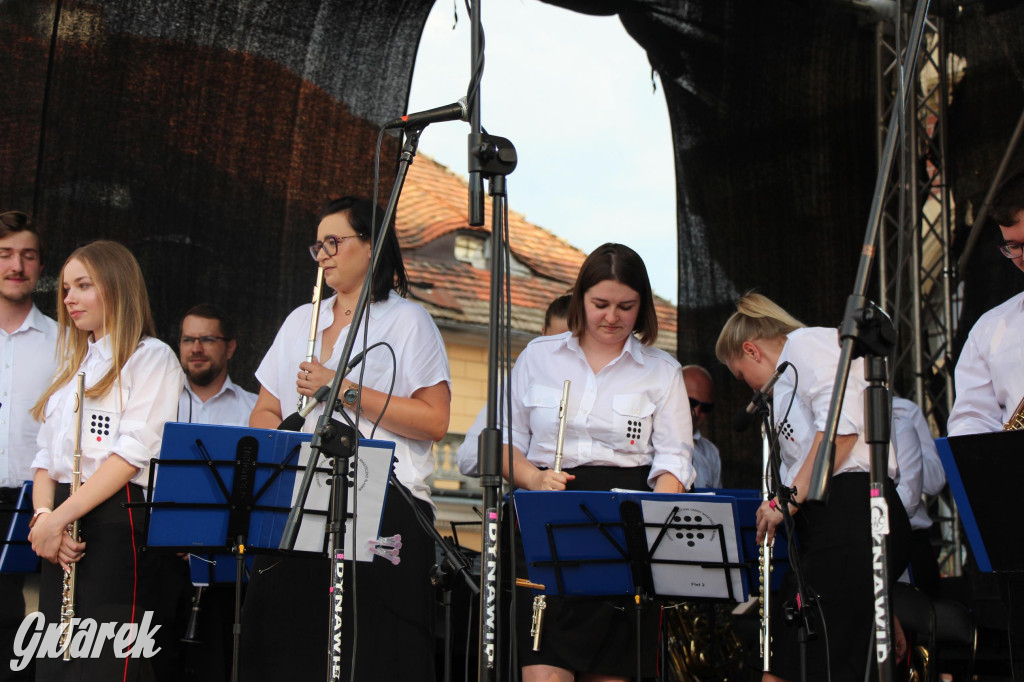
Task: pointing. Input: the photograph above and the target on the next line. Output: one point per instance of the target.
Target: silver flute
(539, 601)
(318, 289)
(764, 558)
(67, 605)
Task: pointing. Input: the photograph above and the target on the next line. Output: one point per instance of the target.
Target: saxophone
(764, 560)
(67, 606)
(1016, 422)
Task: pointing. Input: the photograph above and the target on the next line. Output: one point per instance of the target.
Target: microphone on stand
(295, 420)
(458, 111)
(746, 416)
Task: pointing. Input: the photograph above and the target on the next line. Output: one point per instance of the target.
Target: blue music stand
(618, 543)
(984, 473)
(16, 555)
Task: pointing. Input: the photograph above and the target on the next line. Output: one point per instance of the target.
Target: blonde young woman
(835, 540)
(628, 426)
(132, 380)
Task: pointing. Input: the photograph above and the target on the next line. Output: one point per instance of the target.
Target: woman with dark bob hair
(835, 537)
(627, 426)
(285, 624)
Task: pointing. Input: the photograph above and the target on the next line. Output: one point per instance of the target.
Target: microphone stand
(496, 158)
(339, 441)
(858, 309)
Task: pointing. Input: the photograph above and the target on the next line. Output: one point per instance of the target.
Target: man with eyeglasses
(989, 375)
(207, 342)
(27, 341)
(706, 459)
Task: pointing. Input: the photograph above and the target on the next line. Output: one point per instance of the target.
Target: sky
(575, 95)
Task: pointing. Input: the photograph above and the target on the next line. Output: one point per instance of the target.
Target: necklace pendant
(348, 313)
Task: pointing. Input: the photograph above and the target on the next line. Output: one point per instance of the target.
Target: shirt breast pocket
(632, 416)
(101, 421)
(542, 404)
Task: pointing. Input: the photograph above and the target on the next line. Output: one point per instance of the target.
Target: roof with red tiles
(434, 206)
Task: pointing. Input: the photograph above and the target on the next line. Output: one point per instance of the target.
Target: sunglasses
(704, 407)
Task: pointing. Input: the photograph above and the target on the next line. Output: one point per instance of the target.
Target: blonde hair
(127, 317)
(756, 317)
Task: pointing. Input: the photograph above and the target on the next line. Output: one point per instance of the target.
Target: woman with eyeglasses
(834, 537)
(132, 384)
(628, 426)
(287, 605)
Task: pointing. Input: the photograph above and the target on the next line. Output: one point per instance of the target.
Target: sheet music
(373, 469)
(693, 545)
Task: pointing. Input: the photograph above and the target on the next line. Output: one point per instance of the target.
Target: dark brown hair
(621, 264)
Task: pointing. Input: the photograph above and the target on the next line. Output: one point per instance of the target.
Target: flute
(539, 601)
(764, 557)
(67, 607)
(313, 323)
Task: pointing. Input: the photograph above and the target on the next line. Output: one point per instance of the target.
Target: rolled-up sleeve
(156, 381)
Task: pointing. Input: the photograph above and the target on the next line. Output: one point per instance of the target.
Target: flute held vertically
(764, 557)
(539, 601)
(314, 322)
(67, 607)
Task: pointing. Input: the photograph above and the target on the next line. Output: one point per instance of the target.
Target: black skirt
(835, 552)
(591, 635)
(114, 583)
(388, 614)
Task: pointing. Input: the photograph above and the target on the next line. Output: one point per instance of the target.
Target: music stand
(227, 491)
(984, 473)
(16, 555)
(647, 545)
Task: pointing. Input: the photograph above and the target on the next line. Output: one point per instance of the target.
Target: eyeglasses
(1011, 250)
(204, 340)
(329, 245)
(704, 407)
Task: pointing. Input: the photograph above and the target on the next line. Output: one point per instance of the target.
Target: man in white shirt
(990, 372)
(706, 459)
(206, 344)
(27, 342)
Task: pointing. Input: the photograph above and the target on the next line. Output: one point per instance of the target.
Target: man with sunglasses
(27, 341)
(706, 459)
(989, 375)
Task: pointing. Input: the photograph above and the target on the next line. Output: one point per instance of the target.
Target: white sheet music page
(374, 466)
(688, 539)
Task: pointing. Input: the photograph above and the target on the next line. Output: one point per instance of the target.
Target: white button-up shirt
(27, 365)
(128, 421)
(920, 466)
(230, 406)
(989, 375)
(814, 354)
(634, 412)
(707, 461)
(421, 360)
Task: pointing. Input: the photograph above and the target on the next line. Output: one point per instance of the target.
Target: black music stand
(16, 555)
(984, 473)
(647, 545)
(227, 491)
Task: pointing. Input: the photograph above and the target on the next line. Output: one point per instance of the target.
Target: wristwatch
(350, 396)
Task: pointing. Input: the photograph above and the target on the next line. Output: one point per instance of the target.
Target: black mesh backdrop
(205, 134)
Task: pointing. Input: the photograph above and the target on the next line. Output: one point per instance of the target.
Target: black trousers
(115, 582)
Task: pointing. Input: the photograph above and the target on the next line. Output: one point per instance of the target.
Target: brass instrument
(539, 601)
(1016, 422)
(67, 607)
(313, 323)
(764, 559)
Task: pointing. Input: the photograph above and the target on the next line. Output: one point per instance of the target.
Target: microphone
(745, 416)
(295, 420)
(451, 112)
